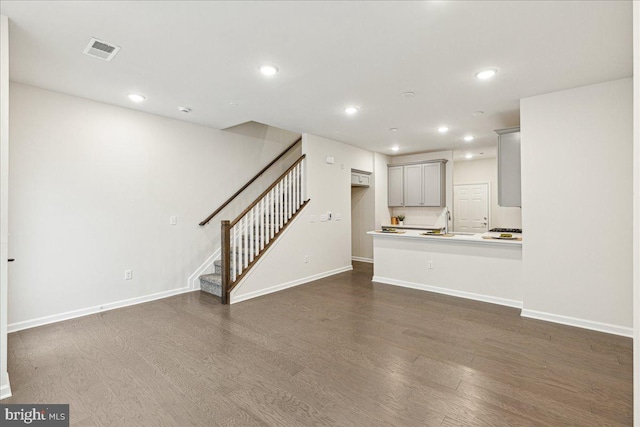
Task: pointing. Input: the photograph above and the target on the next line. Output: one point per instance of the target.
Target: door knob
(11, 259)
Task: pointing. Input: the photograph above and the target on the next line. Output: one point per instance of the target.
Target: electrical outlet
(173, 220)
(338, 217)
(323, 218)
(306, 259)
(128, 274)
(429, 265)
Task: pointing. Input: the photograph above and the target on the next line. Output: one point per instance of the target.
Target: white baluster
(280, 205)
(287, 197)
(284, 201)
(296, 182)
(232, 267)
(246, 241)
(238, 265)
(256, 229)
(252, 232)
(290, 191)
(302, 181)
(263, 218)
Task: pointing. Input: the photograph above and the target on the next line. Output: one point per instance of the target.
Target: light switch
(323, 218)
(330, 160)
(312, 218)
(173, 220)
(338, 217)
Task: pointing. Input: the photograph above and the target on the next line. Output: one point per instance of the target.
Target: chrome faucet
(447, 217)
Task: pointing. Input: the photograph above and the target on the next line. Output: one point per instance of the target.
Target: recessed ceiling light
(468, 138)
(184, 109)
(268, 70)
(395, 148)
(468, 156)
(477, 113)
(408, 94)
(486, 74)
(136, 98)
(351, 110)
(393, 129)
(443, 129)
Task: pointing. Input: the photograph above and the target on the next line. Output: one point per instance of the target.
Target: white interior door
(471, 208)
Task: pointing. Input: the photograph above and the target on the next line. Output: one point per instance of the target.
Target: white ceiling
(205, 55)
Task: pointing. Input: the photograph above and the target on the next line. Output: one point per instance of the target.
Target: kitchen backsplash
(419, 216)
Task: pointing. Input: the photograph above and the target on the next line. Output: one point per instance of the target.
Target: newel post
(225, 244)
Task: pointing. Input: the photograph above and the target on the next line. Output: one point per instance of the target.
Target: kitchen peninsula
(462, 265)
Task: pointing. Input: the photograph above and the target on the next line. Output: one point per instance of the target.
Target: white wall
(327, 244)
(427, 216)
(486, 171)
(577, 205)
(5, 388)
(92, 190)
(636, 211)
(382, 210)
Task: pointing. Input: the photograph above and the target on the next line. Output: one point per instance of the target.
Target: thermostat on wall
(330, 160)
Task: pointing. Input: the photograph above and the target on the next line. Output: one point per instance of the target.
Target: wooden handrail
(230, 199)
(255, 202)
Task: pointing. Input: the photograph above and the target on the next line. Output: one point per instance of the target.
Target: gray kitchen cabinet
(413, 185)
(417, 184)
(396, 186)
(433, 180)
(509, 172)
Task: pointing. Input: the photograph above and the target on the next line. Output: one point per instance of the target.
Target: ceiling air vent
(101, 49)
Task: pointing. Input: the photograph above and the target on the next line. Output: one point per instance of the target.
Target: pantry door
(471, 208)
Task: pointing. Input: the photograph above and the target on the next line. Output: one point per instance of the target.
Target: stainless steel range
(506, 230)
(499, 232)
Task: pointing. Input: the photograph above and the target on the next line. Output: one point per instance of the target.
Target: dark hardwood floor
(338, 351)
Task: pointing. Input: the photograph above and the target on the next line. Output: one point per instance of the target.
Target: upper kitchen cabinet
(509, 189)
(417, 184)
(412, 185)
(360, 178)
(433, 180)
(396, 186)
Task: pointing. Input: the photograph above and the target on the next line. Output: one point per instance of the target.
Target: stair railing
(245, 239)
(251, 181)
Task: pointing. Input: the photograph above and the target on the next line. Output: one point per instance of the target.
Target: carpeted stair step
(211, 283)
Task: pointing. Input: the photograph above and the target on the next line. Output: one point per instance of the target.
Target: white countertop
(457, 238)
(409, 226)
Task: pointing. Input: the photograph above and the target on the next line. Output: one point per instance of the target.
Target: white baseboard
(451, 292)
(27, 324)
(580, 323)
(193, 281)
(357, 258)
(5, 390)
(291, 284)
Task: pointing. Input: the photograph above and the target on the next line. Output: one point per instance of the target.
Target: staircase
(245, 239)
